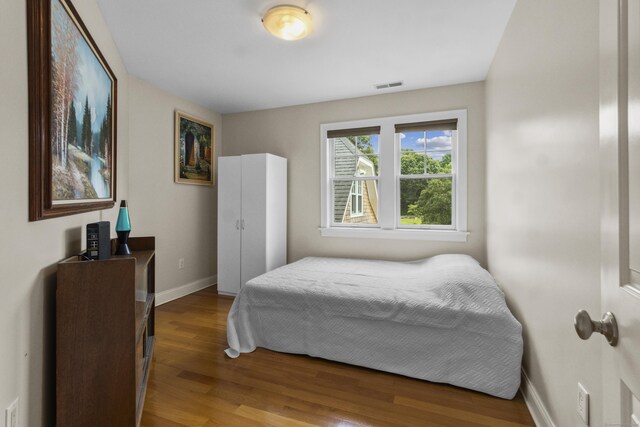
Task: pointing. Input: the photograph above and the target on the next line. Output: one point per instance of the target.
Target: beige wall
(543, 223)
(181, 216)
(30, 250)
(294, 133)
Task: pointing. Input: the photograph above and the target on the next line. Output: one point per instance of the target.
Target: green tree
(434, 204)
(446, 163)
(430, 200)
(411, 163)
(86, 127)
(72, 131)
(105, 129)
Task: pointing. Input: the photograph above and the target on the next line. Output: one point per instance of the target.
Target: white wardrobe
(252, 218)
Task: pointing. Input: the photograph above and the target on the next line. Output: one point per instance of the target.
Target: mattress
(441, 319)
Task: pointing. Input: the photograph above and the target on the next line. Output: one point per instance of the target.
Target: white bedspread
(441, 319)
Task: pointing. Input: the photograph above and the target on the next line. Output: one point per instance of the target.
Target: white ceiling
(217, 54)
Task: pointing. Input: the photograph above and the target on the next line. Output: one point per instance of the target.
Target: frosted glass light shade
(287, 22)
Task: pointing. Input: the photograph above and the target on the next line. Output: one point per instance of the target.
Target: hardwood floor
(193, 383)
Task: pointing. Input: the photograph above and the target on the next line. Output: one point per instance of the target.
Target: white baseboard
(227, 294)
(184, 290)
(536, 407)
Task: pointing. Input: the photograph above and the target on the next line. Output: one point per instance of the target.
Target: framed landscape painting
(194, 150)
(72, 115)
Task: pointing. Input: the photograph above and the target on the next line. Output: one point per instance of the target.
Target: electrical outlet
(11, 414)
(583, 403)
(180, 263)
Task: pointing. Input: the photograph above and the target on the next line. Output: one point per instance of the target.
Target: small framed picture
(194, 151)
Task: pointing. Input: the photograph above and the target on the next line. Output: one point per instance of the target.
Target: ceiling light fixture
(287, 22)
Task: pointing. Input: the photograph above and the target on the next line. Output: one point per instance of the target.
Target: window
(395, 177)
(356, 199)
(427, 194)
(354, 176)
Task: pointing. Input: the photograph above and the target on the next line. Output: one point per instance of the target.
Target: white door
(229, 224)
(620, 189)
(254, 200)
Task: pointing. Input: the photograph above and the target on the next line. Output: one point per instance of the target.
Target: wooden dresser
(105, 337)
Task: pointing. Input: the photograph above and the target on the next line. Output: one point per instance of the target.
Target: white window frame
(388, 226)
(454, 190)
(356, 177)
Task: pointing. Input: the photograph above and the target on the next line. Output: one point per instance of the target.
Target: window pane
(425, 201)
(359, 197)
(439, 151)
(439, 140)
(435, 140)
(412, 142)
(343, 147)
(439, 161)
(435, 144)
(352, 161)
(344, 167)
(367, 166)
(367, 144)
(412, 163)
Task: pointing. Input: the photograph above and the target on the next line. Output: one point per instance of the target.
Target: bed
(441, 319)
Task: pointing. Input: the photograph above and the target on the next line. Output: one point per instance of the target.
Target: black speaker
(98, 241)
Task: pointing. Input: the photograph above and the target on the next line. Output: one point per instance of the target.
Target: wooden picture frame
(194, 155)
(70, 171)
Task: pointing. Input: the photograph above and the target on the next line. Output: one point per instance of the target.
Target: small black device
(98, 242)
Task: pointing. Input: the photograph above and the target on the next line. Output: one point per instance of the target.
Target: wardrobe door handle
(242, 226)
(238, 224)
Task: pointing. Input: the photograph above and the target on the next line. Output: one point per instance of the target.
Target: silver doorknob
(607, 326)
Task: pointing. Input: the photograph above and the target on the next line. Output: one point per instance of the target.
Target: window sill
(376, 233)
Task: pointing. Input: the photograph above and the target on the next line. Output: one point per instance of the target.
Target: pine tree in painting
(72, 130)
(86, 127)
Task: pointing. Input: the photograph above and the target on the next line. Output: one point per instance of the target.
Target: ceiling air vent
(388, 85)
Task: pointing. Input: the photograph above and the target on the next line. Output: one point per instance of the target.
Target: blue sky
(436, 140)
(93, 82)
(375, 140)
